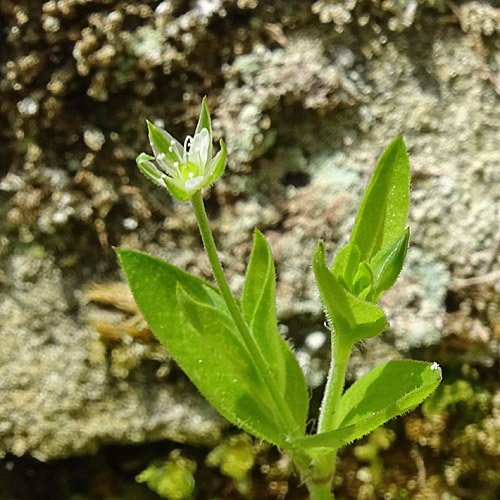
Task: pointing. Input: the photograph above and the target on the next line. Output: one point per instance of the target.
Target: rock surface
(65, 392)
(307, 98)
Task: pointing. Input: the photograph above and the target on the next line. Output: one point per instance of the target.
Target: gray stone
(66, 392)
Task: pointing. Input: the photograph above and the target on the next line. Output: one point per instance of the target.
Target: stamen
(176, 164)
(170, 148)
(161, 156)
(191, 175)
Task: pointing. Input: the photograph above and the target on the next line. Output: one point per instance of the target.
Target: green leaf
(205, 122)
(353, 318)
(387, 265)
(185, 315)
(363, 281)
(258, 306)
(384, 209)
(346, 264)
(386, 392)
(382, 215)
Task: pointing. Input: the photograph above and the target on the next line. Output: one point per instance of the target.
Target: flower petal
(194, 184)
(198, 152)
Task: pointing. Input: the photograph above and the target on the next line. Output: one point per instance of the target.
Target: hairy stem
(328, 417)
(320, 491)
(283, 414)
(334, 386)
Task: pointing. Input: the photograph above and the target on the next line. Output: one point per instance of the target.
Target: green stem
(328, 418)
(334, 386)
(283, 413)
(322, 491)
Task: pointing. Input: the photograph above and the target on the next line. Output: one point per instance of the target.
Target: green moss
(235, 457)
(172, 479)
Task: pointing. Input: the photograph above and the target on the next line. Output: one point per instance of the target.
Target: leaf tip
(257, 234)
(435, 367)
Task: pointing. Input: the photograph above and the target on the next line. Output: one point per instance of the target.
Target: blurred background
(306, 94)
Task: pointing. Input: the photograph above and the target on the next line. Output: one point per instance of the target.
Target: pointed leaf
(387, 265)
(386, 392)
(213, 359)
(363, 281)
(258, 306)
(353, 318)
(384, 209)
(346, 263)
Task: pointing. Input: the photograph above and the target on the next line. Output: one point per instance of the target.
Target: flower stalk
(284, 414)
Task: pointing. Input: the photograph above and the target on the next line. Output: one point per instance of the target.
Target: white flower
(183, 170)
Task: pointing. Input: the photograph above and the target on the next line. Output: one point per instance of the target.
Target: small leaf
(258, 306)
(172, 301)
(205, 121)
(363, 281)
(386, 392)
(384, 209)
(353, 318)
(387, 265)
(346, 263)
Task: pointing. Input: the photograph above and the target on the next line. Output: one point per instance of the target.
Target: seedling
(231, 348)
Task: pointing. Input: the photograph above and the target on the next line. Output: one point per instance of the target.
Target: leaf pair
(372, 260)
(190, 318)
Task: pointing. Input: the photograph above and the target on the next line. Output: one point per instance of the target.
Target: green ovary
(189, 170)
